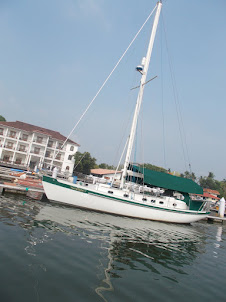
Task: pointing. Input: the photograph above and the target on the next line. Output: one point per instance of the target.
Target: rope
(102, 86)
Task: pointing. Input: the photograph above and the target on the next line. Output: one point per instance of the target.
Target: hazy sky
(55, 54)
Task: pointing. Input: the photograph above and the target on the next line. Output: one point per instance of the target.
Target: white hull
(78, 196)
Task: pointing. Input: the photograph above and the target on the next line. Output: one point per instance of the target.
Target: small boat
(155, 196)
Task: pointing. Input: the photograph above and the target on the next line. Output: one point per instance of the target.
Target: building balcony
(9, 147)
(51, 145)
(37, 152)
(9, 162)
(24, 139)
(48, 155)
(36, 141)
(12, 136)
(22, 150)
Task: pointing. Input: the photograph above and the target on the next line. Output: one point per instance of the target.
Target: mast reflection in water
(76, 255)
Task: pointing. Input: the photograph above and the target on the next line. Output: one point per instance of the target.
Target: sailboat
(167, 200)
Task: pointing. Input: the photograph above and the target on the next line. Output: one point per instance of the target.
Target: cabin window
(72, 148)
(144, 199)
(110, 192)
(153, 201)
(174, 204)
(126, 195)
(161, 202)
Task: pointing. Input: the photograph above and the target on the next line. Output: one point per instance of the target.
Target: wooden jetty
(214, 218)
(35, 193)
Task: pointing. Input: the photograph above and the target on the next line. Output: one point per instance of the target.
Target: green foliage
(210, 183)
(154, 168)
(190, 175)
(84, 162)
(2, 119)
(106, 166)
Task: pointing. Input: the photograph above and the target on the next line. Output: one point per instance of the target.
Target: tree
(84, 162)
(106, 166)
(211, 175)
(209, 182)
(154, 168)
(2, 119)
(190, 175)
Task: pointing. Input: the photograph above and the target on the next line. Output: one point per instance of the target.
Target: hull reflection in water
(139, 244)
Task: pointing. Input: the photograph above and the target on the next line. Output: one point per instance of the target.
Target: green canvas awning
(167, 181)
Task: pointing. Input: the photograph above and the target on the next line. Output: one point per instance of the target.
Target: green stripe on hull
(85, 191)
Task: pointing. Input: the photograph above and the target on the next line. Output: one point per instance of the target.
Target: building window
(1, 131)
(58, 157)
(9, 145)
(18, 160)
(67, 168)
(6, 158)
(39, 139)
(22, 148)
(36, 150)
(24, 137)
(50, 144)
(12, 134)
(48, 154)
(69, 157)
(60, 145)
(72, 148)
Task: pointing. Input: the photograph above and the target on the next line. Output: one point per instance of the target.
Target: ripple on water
(62, 253)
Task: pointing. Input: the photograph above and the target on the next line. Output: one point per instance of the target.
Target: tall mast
(140, 94)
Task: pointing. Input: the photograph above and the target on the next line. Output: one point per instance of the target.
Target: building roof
(207, 195)
(211, 191)
(32, 128)
(103, 171)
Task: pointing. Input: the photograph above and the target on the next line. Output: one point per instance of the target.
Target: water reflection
(126, 244)
(218, 240)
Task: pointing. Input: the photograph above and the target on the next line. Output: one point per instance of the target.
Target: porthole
(110, 192)
(86, 185)
(174, 204)
(153, 201)
(161, 202)
(144, 199)
(126, 195)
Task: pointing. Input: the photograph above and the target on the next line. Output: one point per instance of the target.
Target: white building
(26, 145)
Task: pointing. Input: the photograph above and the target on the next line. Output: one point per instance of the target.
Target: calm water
(55, 253)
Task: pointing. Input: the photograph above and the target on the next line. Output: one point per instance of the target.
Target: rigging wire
(176, 99)
(108, 77)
